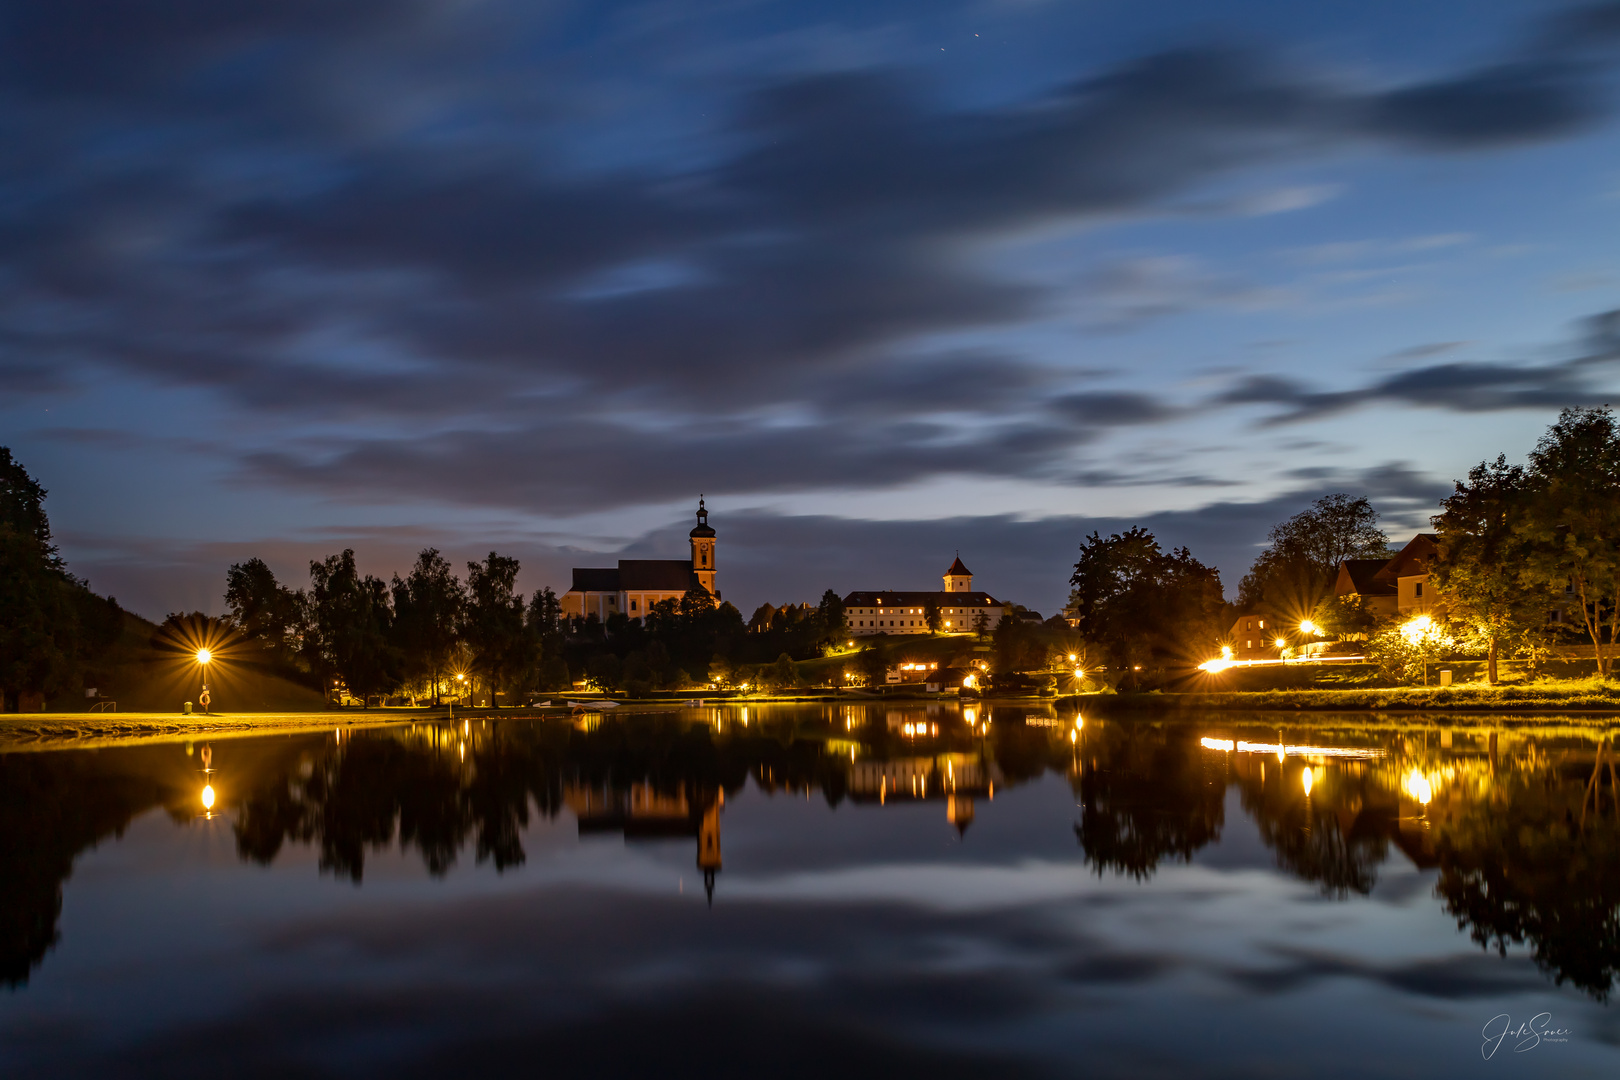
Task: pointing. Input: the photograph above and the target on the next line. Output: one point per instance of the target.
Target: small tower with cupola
(958, 578)
(703, 549)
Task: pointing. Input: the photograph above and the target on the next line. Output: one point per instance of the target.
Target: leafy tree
(352, 619)
(605, 671)
(494, 622)
(22, 505)
(1139, 603)
(51, 624)
(834, 623)
(1018, 646)
(784, 674)
(264, 610)
(428, 606)
(873, 664)
(1573, 526)
(1343, 617)
(1482, 551)
(931, 615)
(1303, 554)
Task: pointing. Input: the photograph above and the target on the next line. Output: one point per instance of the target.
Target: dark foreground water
(785, 892)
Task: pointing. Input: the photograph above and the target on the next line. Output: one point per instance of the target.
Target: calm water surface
(797, 891)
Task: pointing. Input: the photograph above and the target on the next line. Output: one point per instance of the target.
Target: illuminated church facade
(635, 585)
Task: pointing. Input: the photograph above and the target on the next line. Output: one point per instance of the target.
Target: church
(637, 584)
(961, 610)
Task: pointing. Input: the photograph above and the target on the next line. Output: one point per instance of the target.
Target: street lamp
(203, 658)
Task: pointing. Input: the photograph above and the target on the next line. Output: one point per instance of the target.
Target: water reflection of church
(642, 812)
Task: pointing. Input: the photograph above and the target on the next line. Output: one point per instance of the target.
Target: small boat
(595, 706)
(694, 702)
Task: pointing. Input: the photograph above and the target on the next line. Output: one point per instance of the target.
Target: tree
(352, 618)
(22, 505)
(1573, 524)
(873, 664)
(931, 615)
(494, 622)
(1139, 603)
(265, 611)
(428, 606)
(1303, 554)
(1482, 552)
(51, 624)
(784, 674)
(834, 624)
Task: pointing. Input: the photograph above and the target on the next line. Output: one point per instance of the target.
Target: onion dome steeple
(702, 528)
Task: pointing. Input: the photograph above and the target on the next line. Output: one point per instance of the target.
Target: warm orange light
(203, 656)
(208, 797)
(1280, 643)
(1307, 778)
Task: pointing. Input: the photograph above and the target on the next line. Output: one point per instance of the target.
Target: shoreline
(59, 731)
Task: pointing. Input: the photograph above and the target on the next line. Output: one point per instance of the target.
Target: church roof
(958, 569)
(637, 575)
(656, 575)
(593, 580)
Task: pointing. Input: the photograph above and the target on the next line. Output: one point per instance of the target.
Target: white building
(961, 610)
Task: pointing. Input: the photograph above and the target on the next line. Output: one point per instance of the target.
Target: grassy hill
(947, 650)
(141, 678)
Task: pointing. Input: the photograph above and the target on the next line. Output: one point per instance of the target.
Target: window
(1417, 590)
(1262, 624)
(1249, 644)
(632, 605)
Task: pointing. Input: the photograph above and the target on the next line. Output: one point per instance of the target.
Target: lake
(804, 890)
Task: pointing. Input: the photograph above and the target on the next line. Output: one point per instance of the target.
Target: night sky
(883, 281)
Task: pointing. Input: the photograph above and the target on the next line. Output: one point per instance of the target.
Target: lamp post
(203, 658)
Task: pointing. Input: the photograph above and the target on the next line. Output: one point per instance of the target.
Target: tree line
(431, 633)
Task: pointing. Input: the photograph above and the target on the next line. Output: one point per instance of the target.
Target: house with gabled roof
(1398, 586)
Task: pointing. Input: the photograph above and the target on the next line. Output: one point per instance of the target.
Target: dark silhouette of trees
(494, 625)
(1482, 553)
(51, 625)
(428, 608)
(1140, 604)
(352, 620)
(266, 612)
(1292, 575)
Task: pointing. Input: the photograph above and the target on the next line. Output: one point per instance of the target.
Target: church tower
(958, 578)
(703, 549)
